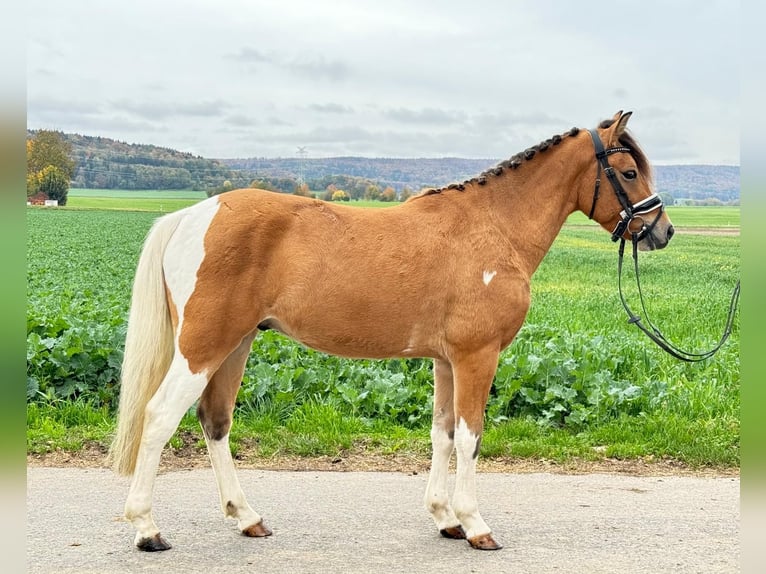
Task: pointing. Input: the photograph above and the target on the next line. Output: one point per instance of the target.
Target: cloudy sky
(480, 78)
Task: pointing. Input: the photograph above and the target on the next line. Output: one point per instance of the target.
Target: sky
(393, 78)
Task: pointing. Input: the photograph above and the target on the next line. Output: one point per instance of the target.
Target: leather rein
(631, 220)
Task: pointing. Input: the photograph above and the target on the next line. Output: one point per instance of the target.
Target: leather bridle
(630, 213)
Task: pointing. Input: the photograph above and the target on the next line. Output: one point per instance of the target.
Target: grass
(138, 193)
(133, 200)
(685, 216)
(160, 205)
(318, 430)
(689, 413)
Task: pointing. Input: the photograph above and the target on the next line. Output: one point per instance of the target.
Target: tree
(339, 195)
(667, 198)
(50, 148)
(389, 194)
(302, 190)
(372, 192)
(54, 184)
(49, 165)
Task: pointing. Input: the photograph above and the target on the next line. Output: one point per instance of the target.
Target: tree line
(98, 162)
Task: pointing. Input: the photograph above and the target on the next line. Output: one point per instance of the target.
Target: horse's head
(623, 200)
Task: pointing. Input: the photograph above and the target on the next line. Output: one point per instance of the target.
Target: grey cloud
(424, 116)
(240, 120)
(159, 111)
(319, 67)
(45, 105)
(311, 67)
(252, 56)
(331, 108)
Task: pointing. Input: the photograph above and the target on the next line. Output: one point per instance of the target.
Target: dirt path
(359, 460)
(708, 230)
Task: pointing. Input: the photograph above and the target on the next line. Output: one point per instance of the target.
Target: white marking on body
(488, 276)
(185, 253)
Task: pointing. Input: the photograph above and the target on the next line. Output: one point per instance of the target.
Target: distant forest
(105, 163)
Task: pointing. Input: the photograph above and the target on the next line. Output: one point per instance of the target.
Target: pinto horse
(444, 275)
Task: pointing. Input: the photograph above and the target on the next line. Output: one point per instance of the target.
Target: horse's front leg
(473, 378)
(442, 441)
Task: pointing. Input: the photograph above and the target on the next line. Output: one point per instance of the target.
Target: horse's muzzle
(657, 238)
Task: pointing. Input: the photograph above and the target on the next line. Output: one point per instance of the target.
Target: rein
(652, 331)
(630, 213)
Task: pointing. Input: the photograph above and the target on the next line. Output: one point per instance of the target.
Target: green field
(579, 381)
(138, 193)
(686, 216)
(133, 200)
(172, 200)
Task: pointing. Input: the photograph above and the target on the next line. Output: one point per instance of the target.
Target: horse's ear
(621, 123)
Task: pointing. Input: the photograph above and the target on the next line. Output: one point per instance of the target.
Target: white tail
(148, 345)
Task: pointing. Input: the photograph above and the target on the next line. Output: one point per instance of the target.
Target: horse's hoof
(154, 544)
(484, 542)
(259, 530)
(453, 532)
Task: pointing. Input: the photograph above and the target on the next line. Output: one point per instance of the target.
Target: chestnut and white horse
(444, 275)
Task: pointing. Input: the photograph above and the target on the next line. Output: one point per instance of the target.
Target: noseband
(630, 211)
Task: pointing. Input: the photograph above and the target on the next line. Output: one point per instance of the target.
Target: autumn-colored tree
(302, 190)
(405, 194)
(340, 195)
(372, 192)
(389, 194)
(49, 165)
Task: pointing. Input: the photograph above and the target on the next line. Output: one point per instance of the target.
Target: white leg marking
(176, 394)
(437, 497)
(233, 501)
(464, 499)
(488, 276)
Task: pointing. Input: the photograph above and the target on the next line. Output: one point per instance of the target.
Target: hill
(105, 163)
(683, 182)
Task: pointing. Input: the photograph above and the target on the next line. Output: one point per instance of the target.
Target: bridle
(632, 213)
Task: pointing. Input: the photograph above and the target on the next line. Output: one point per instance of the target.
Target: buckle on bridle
(642, 207)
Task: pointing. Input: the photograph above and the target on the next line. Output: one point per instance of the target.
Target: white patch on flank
(488, 276)
(185, 252)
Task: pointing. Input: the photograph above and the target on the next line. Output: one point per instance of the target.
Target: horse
(444, 275)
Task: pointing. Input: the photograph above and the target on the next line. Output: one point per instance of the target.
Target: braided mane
(627, 140)
(512, 163)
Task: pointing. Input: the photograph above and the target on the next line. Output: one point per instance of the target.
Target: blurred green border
(752, 57)
(12, 284)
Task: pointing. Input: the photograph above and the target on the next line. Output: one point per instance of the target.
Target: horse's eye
(630, 174)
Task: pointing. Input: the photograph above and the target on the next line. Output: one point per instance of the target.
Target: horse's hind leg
(177, 392)
(442, 441)
(215, 415)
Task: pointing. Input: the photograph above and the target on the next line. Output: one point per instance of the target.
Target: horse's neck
(531, 205)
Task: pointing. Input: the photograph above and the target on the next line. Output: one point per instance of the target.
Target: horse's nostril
(671, 232)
